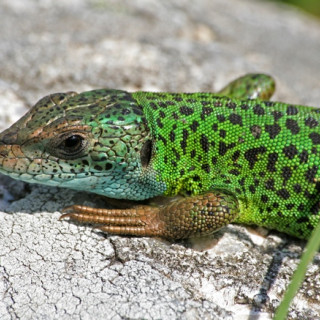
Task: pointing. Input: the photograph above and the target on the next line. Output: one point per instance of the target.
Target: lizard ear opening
(145, 153)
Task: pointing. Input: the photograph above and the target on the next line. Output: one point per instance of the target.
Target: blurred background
(311, 6)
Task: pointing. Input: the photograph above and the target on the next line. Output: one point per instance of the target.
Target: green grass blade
(312, 247)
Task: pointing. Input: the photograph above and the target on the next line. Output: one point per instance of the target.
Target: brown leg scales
(187, 217)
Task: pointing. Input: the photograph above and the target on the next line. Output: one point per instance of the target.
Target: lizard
(191, 162)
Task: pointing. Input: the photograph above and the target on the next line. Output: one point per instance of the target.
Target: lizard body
(217, 158)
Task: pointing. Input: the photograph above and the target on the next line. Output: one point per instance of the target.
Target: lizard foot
(137, 221)
(187, 217)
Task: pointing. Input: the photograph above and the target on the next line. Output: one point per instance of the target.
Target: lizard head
(97, 141)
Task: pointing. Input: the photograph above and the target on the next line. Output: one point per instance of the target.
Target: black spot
(303, 220)
(244, 107)
(292, 110)
(108, 166)
(182, 172)
(160, 137)
(196, 178)
(125, 111)
(175, 115)
(172, 136)
(290, 151)
(206, 168)
(264, 198)
(185, 110)
(297, 188)
(236, 155)
(311, 122)
(222, 133)
(280, 214)
(215, 127)
(231, 105)
(97, 167)
(262, 174)
(242, 181)
(258, 110)
(251, 155)
(193, 153)
(270, 184)
(303, 156)
(311, 174)
(234, 172)
(183, 143)
(275, 205)
(159, 123)
(223, 147)
(272, 160)
(273, 130)
(315, 137)
(283, 193)
(235, 119)
(204, 142)
(85, 162)
(293, 126)
(162, 114)
(277, 115)
(162, 104)
(194, 126)
(221, 118)
(214, 160)
(286, 173)
(301, 207)
(206, 111)
(252, 189)
(315, 209)
(256, 131)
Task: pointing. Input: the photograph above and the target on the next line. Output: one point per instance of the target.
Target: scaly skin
(213, 159)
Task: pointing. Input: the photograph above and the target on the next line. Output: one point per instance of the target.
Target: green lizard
(203, 159)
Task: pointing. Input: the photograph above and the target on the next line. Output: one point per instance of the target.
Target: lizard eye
(69, 146)
(72, 143)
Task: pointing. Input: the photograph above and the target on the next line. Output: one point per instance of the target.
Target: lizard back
(265, 153)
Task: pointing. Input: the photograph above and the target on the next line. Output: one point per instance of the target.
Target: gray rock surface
(59, 270)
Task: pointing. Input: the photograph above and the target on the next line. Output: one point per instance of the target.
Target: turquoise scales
(213, 159)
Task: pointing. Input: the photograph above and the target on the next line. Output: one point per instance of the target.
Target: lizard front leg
(187, 217)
